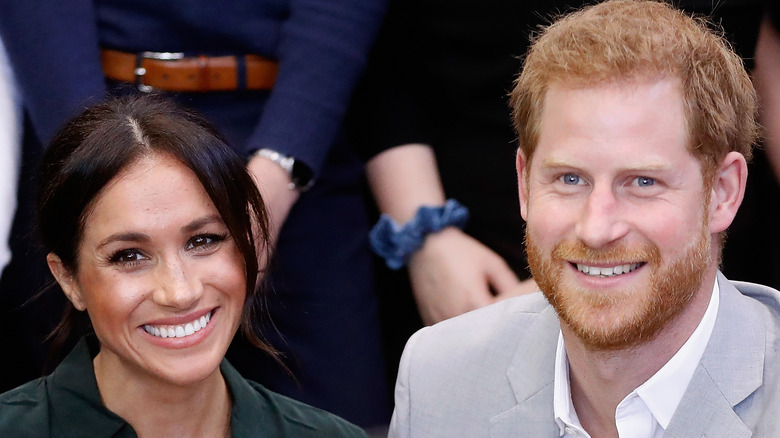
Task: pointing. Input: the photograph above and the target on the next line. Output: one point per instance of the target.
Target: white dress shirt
(10, 152)
(646, 411)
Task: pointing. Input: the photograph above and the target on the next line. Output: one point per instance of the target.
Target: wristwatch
(301, 175)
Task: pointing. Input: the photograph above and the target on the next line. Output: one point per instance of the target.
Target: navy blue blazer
(54, 50)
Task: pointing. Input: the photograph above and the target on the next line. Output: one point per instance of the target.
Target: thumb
(500, 276)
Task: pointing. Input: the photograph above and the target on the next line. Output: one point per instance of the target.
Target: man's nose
(175, 286)
(601, 220)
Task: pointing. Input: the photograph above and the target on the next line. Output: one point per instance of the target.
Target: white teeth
(179, 331)
(607, 271)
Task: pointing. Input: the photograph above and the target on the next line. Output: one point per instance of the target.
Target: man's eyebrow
(555, 163)
(202, 222)
(552, 162)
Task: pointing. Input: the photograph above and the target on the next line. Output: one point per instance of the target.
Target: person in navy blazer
(323, 304)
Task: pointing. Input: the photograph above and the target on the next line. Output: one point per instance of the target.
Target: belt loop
(241, 72)
(139, 72)
(203, 72)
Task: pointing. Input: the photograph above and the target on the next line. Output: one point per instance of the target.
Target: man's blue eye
(644, 181)
(571, 179)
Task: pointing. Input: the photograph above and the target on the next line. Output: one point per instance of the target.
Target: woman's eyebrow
(124, 237)
(201, 222)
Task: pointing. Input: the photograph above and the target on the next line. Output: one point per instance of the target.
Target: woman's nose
(176, 287)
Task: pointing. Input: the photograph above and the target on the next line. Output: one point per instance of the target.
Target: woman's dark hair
(92, 149)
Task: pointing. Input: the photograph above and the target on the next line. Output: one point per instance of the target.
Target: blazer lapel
(730, 371)
(530, 374)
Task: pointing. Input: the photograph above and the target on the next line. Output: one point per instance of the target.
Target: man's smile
(608, 271)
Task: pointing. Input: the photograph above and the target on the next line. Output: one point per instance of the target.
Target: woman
(153, 228)
(325, 302)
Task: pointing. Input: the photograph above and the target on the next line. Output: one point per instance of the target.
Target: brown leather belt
(174, 72)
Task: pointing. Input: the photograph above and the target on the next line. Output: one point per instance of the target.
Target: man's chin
(607, 322)
(622, 316)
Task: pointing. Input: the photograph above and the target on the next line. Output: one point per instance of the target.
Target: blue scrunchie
(396, 243)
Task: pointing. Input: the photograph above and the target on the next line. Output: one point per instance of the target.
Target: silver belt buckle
(140, 71)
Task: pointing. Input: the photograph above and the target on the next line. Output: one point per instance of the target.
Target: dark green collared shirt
(67, 404)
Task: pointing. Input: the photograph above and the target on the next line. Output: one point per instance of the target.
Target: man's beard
(615, 320)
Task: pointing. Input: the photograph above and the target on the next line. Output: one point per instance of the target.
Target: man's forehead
(643, 122)
(628, 83)
(653, 107)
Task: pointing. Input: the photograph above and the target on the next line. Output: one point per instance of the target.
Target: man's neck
(600, 379)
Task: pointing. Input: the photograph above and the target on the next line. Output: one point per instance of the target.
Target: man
(635, 123)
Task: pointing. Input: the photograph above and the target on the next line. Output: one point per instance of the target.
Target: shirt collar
(250, 412)
(661, 393)
(75, 399)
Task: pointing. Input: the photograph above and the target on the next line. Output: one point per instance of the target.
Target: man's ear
(522, 183)
(66, 280)
(728, 190)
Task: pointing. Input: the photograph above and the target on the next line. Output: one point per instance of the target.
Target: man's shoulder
(755, 302)
(457, 375)
(492, 320)
(765, 295)
(485, 341)
(738, 373)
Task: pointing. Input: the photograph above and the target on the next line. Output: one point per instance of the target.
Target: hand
(273, 183)
(523, 288)
(453, 273)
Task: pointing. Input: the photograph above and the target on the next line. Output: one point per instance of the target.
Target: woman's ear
(66, 280)
(728, 190)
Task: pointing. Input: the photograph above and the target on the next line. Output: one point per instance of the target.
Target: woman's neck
(157, 408)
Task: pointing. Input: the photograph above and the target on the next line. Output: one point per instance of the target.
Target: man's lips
(607, 271)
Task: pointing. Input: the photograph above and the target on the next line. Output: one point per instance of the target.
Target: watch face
(302, 176)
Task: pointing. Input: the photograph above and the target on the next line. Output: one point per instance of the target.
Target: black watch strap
(301, 175)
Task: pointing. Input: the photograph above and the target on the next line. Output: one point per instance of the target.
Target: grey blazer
(489, 373)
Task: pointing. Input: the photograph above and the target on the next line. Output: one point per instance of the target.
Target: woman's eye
(571, 179)
(643, 181)
(127, 256)
(205, 241)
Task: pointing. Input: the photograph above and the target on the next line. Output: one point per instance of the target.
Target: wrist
(396, 243)
(301, 177)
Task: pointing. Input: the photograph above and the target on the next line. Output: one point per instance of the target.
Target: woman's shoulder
(256, 408)
(24, 410)
(306, 420)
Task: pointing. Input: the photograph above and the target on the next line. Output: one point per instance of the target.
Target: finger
(500, 276)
